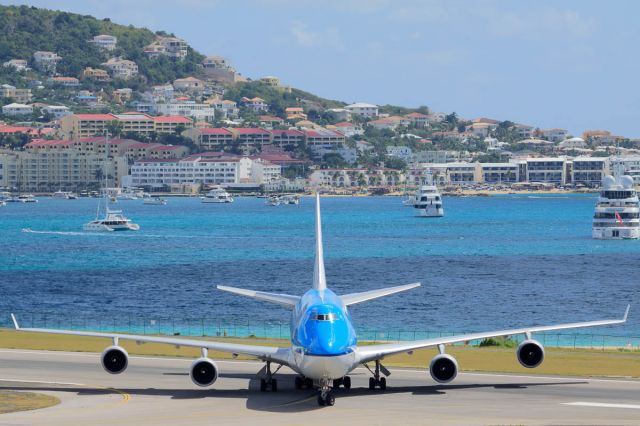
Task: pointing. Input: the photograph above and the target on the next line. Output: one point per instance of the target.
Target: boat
(290, 199)
(64, 195)
(113, 220)
(274, 200)
(428, 200)
(2, 203)
(154, 201)
(617, 211)
(217, 195)
(410, 201)
(26, 198)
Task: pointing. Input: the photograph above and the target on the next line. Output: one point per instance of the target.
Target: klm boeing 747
(324, 348)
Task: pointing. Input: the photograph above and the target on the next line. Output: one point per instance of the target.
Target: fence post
(574, 341)
(202, 323)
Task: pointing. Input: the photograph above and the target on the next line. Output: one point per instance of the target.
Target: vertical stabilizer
(319, 280)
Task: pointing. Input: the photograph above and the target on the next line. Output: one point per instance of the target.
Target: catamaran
(113, 220)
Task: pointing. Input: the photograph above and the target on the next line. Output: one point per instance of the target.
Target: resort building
(65, 81)
(417, 119)
(499, 173)
(57, 111)
(96, 74)
(210, 138)
(401, 152)
(256, 104)
(322, 141)
(226, 108)
(546, 170)
(197, 111)
(15, 109)
(588, 171)
(17, 64)
(121, 68)
(554, 135)
(46, 61)
(172, 47)
(290, 137)
(21, 96)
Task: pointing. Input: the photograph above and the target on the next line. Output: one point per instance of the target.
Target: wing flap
(353, 298)
(280, 299)
(373, 352)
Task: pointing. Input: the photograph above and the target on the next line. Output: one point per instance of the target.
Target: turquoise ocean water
(491, 262)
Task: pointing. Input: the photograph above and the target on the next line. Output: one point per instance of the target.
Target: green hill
(28, 29)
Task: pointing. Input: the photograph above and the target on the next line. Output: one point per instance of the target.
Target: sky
(568, 64)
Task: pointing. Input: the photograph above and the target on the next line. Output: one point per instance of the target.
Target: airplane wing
(353, 298)
(265, 353)
(280, 299)
(376, 352)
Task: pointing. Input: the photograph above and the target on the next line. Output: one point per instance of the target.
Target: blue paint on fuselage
(322, 337)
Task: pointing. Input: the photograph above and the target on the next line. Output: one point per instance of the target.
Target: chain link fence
(208, 327)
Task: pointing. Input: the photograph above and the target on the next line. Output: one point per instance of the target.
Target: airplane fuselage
(323, 339)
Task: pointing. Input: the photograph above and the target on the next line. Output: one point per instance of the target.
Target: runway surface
(158, 391)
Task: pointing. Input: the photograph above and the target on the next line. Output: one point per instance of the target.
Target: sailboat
(113, 220)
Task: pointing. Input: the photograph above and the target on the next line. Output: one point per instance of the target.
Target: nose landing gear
(326, 396)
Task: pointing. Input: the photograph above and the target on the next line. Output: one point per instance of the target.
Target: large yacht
(617, 213)
(428, 200)
(217, 195)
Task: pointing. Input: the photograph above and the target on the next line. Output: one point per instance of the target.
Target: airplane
(324, 348)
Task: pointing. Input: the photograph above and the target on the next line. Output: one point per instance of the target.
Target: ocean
(490, 263)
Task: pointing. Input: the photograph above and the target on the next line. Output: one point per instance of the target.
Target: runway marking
(602, 405)
(297, 401)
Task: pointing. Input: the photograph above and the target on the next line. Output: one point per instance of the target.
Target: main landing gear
(377, 381)
(303, 382)
(345, 382)
(268, 382)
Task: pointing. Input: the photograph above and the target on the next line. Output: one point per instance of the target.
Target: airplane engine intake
(530, 353)
(204, 372)
(443, 368)
(114, 359)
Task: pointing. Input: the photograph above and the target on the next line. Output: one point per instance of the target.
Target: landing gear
(268, 382)
(302, 383)
(326, 396)
(345, 382)
(377, 381)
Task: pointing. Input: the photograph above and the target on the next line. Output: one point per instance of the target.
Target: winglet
(319, 279)
(15, 322)
(626, 313)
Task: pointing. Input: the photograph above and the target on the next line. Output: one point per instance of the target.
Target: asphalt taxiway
(158, 391)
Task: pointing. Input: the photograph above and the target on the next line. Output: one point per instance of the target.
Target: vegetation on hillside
(25, 30)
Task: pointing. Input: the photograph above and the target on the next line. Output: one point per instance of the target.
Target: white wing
(265, 353)
(373, 352)
(281, 299)
(353, 298)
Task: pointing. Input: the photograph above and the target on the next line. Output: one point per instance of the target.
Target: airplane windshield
(323, 317)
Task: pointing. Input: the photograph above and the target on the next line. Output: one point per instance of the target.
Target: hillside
(28, 29)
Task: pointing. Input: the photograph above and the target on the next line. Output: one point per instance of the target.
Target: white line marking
(43, 382)
(602, 404)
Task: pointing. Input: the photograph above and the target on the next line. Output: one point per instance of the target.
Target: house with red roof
(210, 137)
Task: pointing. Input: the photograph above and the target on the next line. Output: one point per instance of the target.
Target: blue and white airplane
(324, 348)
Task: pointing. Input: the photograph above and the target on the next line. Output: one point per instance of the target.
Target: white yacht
(290, 199)
(217, 195)
(64, 195)
(428, 200)
(153, 201)
(2, 203)
(273, 200)
(113, 220)
(410, 201)
(26, 198)
(617, 212)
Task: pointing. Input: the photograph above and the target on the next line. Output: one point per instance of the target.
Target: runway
(158, 391)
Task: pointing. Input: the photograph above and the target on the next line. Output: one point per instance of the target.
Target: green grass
(11, 401)
(493, 358)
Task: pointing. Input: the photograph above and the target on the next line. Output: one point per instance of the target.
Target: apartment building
(105, 42)
(172, 47)
(46, 61)
(226, 108)
(96, 74)
(348, 129)
(289, 137)
(21, 96)
(546, 170)
(189, 85)
(17, 64)
(85, 125)
(121, 68)
(257, 105)
(588, 171)
(417, 119)
(57, 111)
(197, 111)
(321, 141)
(352, 177)
(210, 138)
(363, 109)
(500, 173)
(251, 136)
(554, 134)
(171, 123)
(218, 69)
(16, 109)
(64, 81)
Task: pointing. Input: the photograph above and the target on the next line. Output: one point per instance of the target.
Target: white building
(438, 156)
(263, 171)
(547, 170)
(573, 143)
(121, 68)
(226, 108)
(402, 152)
(340, 114)
(349, 129)
(16, 64)
(57, 111)
(15, 109)
(172, 47)
(46, 61)
(588, 171)
(105, 42)
(197, 111)
(501, 173)
(363, 109)
(189, 84)
(201, 169)
(554, 135)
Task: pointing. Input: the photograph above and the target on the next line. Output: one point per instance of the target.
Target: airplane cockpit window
(323, 317)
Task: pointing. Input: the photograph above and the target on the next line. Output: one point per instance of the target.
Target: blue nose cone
(329, 338)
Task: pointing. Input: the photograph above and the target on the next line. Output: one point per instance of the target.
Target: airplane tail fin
(319, 279)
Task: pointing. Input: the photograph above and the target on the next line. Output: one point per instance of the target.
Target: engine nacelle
(204, 372)
(114, 359)
(530, 353)
(443, 368)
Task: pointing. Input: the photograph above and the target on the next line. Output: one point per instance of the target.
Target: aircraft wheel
(263, 385)
(308, 383)
(347, 382)
(383, 383)
(372, 383)
(298, 382)
(330, 399)
(274, 385)
(321, 401)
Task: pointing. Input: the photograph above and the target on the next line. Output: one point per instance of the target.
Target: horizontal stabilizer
(353, 298)
(281, 299)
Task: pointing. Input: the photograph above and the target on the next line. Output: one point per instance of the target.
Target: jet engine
(204, 372)
(443, 368)
(530, 353)
(114, 359)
